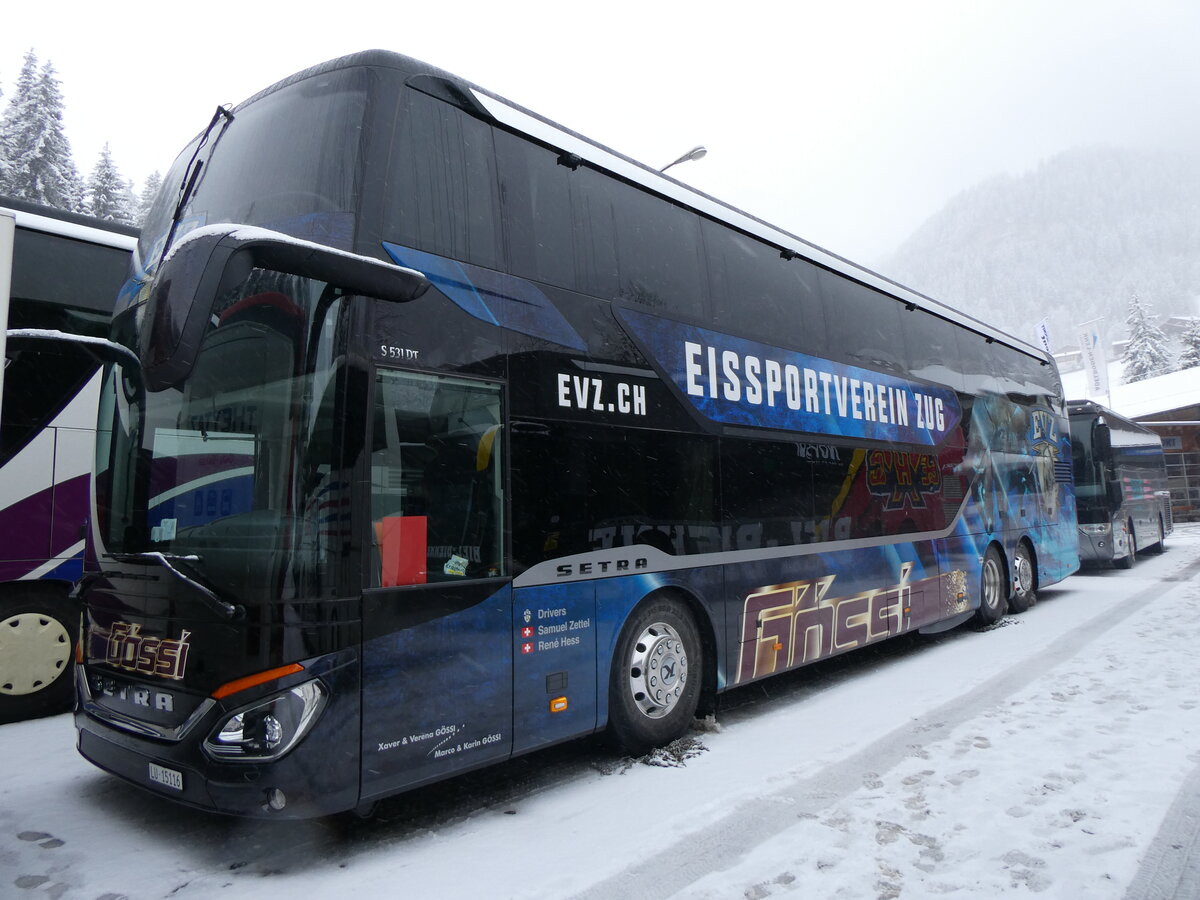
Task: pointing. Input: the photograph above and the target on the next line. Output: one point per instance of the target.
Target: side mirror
(1102, 439)
(209, 261)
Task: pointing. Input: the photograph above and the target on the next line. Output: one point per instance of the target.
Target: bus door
(437, 613)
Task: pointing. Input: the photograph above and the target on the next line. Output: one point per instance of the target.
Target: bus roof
(517, 118)
(1091, 409)
(36, 217)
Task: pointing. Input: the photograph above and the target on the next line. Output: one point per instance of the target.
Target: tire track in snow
(1170, 870)
(724, 842)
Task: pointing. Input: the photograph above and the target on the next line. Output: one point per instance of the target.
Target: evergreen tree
(146, 200)
(14, 122)
(41, 168)
(1146, 354)
(1190, 339)
(108, 194)
(3, 155)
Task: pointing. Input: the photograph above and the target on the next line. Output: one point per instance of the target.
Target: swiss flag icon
(527, 647)
(527, 631)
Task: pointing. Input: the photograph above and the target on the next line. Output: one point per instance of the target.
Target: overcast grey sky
(847, 123)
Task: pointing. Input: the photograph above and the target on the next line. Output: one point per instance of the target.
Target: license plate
(166, 777)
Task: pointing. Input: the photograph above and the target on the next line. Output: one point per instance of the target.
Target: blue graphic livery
(740, 382)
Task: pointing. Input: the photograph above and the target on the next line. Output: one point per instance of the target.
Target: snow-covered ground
(1056, 753)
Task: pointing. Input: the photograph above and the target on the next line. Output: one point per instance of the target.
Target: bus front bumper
(306, 783)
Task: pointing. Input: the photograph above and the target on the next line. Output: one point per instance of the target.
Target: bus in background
(455, 435)
(1121, 495)
(63, 273)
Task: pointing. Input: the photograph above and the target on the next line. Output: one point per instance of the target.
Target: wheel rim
(34, 650)
(993, 585)
(1023, 570)
(657, 670)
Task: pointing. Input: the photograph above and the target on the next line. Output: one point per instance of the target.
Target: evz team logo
(125, 647)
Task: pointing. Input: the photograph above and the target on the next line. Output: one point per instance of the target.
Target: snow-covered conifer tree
(1190, 355)
(41, 168)
(146, 198)
(14, 122)
(1146, 354)
(108, 194)
(3, 154)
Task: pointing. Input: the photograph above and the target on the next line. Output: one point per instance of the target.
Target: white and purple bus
(59, 277)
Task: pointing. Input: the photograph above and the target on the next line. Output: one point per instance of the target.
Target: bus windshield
(232, 465)
(312, 197)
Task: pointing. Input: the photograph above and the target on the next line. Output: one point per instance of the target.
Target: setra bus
(455, 435)
(1122, 501)
(63, 272)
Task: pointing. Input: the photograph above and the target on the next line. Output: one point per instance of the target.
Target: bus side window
(442, 187)
(537, 211)
(756, 293)
(863, 326)
(436, 479)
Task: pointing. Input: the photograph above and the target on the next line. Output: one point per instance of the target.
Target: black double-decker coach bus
(454, 435)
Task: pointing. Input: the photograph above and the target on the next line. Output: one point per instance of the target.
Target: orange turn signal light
(232, 687)
(558, 704)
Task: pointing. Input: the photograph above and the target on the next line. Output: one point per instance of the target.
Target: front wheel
(1024, 593)
(656, 676)
(37, 638)
(993, 590)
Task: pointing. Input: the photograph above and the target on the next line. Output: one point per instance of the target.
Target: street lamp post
(694, 153)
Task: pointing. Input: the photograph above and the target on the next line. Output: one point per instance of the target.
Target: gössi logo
(125, 647)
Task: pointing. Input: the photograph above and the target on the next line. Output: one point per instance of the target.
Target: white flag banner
(1095, 358)
(1043, 333)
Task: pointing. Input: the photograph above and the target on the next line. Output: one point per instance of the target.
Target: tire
(1024, 581)
(1126, 562)
(657, 672)
(38, 630)
(993, 589)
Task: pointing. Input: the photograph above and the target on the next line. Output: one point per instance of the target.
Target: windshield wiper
(191, 176)
(169, 560)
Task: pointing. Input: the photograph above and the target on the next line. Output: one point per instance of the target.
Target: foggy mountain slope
(1068, 241)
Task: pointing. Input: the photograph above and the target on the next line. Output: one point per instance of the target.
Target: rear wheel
(1024, 586)
(993, 589)
(656, 676)
(37, 642)
(1127, 561)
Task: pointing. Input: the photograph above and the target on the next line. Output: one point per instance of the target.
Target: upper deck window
(758, 294)
(440, 183)
(537, 211)
(863, 325)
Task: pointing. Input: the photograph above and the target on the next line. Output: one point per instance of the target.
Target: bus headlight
(1096, 530)
(269, 728)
